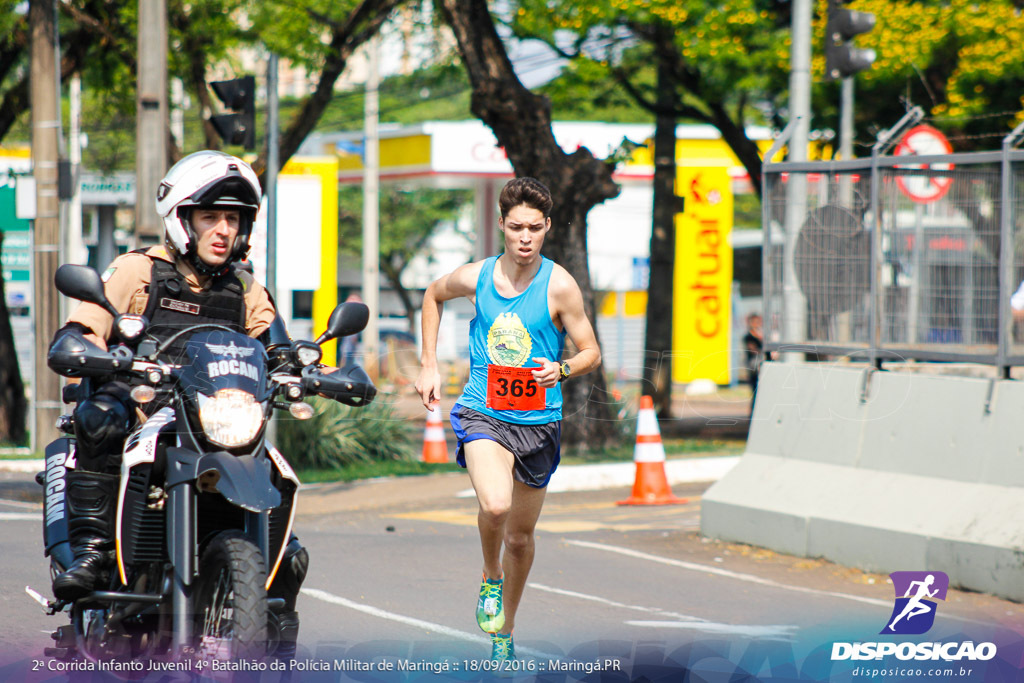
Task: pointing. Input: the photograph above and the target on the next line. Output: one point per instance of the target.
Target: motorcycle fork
(257, 526)
(181, 548)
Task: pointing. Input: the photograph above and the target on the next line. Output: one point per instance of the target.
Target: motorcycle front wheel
(231, 599)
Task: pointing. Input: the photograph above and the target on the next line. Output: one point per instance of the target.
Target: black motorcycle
(206, 504)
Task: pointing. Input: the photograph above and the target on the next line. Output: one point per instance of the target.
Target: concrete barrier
(884, 471)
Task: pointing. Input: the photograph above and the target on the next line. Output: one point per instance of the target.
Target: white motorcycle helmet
(207, 179)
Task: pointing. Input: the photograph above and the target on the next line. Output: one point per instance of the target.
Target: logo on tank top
(508, 342)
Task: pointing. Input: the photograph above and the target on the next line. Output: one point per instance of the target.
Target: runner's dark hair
(529, 191)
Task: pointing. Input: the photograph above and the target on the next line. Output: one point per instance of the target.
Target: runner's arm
(568, 302)
(459, 282)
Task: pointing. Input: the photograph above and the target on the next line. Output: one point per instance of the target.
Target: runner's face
(216, 230)
(524, 229)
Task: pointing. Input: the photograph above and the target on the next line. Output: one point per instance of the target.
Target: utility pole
(178, 105)
(794, 325)
(46, 227)
(270, 177)
(846, 119)
(270, 187)
(150, 119)
(371, 211)
(74, 242)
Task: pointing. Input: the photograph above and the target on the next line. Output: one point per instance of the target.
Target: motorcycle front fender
(241, 479)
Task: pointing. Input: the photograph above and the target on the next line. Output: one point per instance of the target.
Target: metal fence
(896, 257)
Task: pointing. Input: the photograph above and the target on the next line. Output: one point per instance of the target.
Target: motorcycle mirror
(83, 283)
(347, 319)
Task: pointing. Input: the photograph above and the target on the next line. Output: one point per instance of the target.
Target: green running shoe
(502, 647)
(490, 614)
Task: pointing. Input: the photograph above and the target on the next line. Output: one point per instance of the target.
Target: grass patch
(674, 448)
(20, 456)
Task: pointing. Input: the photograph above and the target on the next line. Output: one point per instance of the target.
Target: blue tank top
(512, 332)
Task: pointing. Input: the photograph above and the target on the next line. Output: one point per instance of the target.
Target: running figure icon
(916, 606)
(916, 593)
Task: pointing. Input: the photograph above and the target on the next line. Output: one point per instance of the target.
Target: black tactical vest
(172, 306)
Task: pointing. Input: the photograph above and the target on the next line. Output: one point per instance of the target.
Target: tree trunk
(521, 121)
(13, 406)
(658, 336)
(743, 147)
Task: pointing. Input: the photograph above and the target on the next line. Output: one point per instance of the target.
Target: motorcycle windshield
(225, 360)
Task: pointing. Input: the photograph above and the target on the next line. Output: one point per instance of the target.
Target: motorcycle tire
(231, 599)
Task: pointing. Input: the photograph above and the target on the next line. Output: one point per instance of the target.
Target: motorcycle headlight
(231, 417)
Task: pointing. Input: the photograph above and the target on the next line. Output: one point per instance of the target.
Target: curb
(28, 465)
(565, 479)
(621, 474)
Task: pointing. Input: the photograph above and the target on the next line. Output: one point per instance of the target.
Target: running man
(915, 606)
(508, 418)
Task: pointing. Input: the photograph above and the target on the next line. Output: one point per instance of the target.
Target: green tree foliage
(723, 58)
(208, 40)
(962, 60)
(408, 218)
(437, 92)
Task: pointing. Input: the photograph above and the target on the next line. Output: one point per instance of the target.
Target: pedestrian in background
(508, 418)
(753, 346)
(350, 344)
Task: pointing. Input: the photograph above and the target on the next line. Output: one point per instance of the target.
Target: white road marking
(21, 516)
(779, 632)
(21, 504)
(750, 578)
(411, 621)
(718, 571)
(680, 620)
(613, 603)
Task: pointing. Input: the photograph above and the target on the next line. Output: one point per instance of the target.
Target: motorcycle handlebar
(349, 385)
(73, 355)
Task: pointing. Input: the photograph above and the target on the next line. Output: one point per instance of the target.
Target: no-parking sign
(924, 141)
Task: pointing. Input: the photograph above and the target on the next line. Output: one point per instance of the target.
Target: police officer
(208, 202)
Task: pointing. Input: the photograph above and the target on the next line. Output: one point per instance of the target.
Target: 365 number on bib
(511, 388)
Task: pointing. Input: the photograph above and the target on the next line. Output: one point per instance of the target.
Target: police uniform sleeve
(125, 283)
(259, 307)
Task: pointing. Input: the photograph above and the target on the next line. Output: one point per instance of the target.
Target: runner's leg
(920, 609)
(490, 471)
(519, 546)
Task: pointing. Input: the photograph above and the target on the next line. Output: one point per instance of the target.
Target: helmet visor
(233, 191)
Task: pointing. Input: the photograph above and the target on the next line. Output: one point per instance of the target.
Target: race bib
(511, 388)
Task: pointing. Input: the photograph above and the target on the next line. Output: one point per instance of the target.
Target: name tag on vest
(180, 306)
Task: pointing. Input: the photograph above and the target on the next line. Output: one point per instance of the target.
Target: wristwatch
(564, 371)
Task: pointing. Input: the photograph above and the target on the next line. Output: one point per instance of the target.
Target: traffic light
(842, 57)
(238, 95)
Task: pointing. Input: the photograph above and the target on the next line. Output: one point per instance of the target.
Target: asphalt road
(633, 590)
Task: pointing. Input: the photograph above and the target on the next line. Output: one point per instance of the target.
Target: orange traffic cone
(435, 448)
(651, 486)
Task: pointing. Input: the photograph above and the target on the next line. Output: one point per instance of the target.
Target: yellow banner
(703, 277)
(326, 297)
